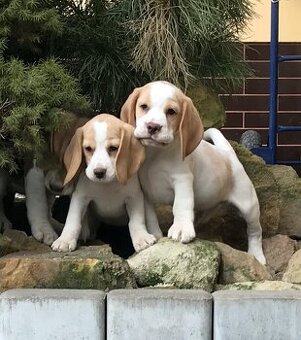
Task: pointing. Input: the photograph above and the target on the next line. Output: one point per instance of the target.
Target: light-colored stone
(255, 315)
(50, 314)
(293, 271)
(192, 265)
(239, 266)
(94, 267)
(150, 314)
(289, 185)
(278, 250)
(264, 285)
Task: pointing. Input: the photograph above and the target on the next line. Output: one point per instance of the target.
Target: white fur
(100, 158)
(158, 95)
(200, 181)
(38, 207)
(115, 203)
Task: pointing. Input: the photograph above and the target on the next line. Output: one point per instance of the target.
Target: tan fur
(130, 155)
(128, 158)
(191, 128)
(128, 109)
(186, 122)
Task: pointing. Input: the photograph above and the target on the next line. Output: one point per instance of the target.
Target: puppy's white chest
(108, 198)
(156, 182)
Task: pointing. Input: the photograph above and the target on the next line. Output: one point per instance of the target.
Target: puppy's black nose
(153, 128)
(100, 172)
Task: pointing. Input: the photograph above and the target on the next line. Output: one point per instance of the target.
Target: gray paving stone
(52, 314)
(257, 315)
(148, 314)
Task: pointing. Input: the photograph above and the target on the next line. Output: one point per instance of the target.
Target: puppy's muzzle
(100, 173)
(153, 128)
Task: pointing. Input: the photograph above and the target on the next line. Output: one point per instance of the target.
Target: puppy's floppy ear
(191, 127)
(130, 155)
(128, 110)
(73, 155)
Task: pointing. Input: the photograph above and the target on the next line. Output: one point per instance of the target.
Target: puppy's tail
(218, 140)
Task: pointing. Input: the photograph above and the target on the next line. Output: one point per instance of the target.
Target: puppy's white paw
(180, 233)
(64, 244)
(143, 240)
(4, 223)
(44, 233)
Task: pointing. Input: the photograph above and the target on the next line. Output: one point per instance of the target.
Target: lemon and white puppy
(111, 155)
(183, 170)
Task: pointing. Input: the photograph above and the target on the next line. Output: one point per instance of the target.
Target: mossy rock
(266, 187)
(173, 264)
(94, 267)
(6, 245)
(209, 106)
(239, 266)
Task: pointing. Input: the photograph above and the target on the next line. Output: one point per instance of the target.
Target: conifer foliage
(33, 96)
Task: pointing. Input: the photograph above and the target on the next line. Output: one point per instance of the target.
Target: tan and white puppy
(42, 182)
(111, 155)
(183, 170)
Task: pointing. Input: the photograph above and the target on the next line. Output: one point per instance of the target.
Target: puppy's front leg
(37, 206)
(135, 208)
(151, 218)
(68, 239)
(183, 209)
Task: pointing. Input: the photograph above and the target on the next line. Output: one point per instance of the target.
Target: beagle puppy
(111, 156)
(183, 170)
(43, 180)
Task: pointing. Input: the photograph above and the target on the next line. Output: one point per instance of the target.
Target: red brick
(245, 103)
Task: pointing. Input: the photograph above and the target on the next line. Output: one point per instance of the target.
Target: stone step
(48, 314)
(253, 315)
(158, 313)
(150, 314)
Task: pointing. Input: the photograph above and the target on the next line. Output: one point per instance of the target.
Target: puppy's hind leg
(245, 199)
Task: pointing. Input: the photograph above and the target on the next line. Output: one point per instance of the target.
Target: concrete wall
(148, 314)
(258, 29)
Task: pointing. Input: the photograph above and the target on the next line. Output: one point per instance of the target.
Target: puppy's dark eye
(88, 148)
(144, 107)
(112, 148)
(170, 112)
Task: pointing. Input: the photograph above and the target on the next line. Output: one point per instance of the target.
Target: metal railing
(269, 153)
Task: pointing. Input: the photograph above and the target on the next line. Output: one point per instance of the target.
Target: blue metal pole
(272, 143)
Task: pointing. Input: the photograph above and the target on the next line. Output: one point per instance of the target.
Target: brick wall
(248, 108)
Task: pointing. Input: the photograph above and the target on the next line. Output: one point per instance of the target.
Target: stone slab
(253, 315)
(48, 314)
(150, 314)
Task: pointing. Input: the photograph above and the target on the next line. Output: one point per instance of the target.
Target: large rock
(14, 240)
(173, 264)
(239, 266)
(94, 267)
(278, 250)
(293, 271)
(289, 185)
(209, 106)
(264, 285)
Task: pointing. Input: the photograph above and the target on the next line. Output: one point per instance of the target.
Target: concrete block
(50, 314)
(254, 315)
(150, 314)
